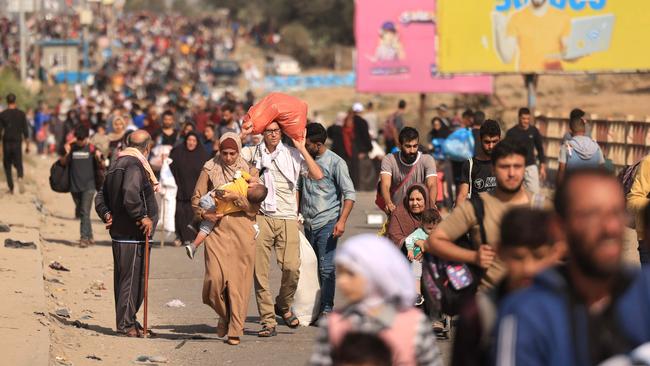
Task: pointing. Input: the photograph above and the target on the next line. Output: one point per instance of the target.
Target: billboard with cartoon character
(396, 50)
(543, 35)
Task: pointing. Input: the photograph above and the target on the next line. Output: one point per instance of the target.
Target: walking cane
(146, 281)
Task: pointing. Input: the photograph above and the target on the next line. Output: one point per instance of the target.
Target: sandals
(267, 332)
(291, 321)
(131, 333)
(233, 341)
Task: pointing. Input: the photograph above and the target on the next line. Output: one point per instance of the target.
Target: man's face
(272, 135)
(168, 121)
(509, 172)
(595, 225)
(523, 263)
(227, 116)
(488, 143)
(524, 120)
(410, 151)
(313, 147)
(538, 3)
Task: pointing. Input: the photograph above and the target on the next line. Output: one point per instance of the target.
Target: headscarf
(114, 136)
(219, 172)
(403, 222)
(186, 166)
(386, 271)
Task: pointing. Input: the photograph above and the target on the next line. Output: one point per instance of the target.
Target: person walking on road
(86, 176)
(402, 169)
(14, 129)
(127, 204)
(393, 126)
(580, 150)
(281, 168)
(592, 310)
(230, 246)
(527, 135)
(476, 174)
(325, 205)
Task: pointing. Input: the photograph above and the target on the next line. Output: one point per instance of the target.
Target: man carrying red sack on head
(280, 168)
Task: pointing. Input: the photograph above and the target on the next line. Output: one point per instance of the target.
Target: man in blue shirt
(320, 205)
(591, 308)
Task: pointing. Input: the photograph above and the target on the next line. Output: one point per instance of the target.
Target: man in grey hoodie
(579, 151)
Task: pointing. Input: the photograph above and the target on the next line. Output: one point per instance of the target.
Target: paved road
(174, 276)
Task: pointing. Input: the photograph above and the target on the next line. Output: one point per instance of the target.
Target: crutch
(146, 281)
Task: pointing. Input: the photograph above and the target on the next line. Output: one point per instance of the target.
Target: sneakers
(190, 249)
(441, 327)
(419, 301)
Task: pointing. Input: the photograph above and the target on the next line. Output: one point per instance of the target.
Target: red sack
(289, 112)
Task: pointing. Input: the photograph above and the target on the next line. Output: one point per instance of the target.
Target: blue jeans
(644, 253)
(324, 245)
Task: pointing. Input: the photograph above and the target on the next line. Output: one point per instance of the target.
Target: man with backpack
(393, 126)
(404, 168)
(481, 217)
(580, 151)
(85, 170)
(476, 174)
(592, 308)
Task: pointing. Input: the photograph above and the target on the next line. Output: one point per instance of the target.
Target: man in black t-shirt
(83, 160)
(13, 129)
(528, 135)
(478, 176)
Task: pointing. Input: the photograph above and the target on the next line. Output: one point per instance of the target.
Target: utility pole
(23, 42)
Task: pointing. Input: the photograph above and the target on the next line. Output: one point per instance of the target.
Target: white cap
(357, 107)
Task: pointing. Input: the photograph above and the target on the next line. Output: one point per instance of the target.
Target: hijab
(403, 221)
(186, 166)
(114, 136)
(386, 271)
(219, 172)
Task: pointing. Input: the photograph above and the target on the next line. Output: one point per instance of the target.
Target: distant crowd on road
(471, 240)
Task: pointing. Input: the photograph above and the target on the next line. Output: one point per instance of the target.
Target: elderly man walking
(127, 204)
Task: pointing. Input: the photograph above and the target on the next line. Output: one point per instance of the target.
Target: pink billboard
(396, 50)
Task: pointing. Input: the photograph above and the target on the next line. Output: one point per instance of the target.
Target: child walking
(430, 220)
(377, 283)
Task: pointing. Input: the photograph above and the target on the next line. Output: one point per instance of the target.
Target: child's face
(523, 264)
(352, 285)
(429, 227)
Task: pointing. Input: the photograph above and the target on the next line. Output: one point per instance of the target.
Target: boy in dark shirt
(476, 174)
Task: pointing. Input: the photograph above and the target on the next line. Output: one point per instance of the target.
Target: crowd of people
(523, 278)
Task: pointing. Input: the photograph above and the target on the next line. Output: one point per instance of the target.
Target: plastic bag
(289, 112)
(168, 198)
(459, 146)
(306, 302)
(438, 152)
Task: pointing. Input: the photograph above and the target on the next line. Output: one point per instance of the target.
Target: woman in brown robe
(230, 247)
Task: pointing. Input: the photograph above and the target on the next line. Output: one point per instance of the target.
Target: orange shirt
(539, 38)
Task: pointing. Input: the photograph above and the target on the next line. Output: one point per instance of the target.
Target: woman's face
(188, 129)
(191, 142)
(352, 285)
(229, 156)
(437, 125)
(416, 202)
(208, 133)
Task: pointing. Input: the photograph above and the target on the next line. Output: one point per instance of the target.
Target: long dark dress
(186, 166)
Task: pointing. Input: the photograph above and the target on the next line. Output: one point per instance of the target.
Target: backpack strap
(471, 181)
(479, 212)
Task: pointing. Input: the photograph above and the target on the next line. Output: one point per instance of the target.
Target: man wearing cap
(442, 114)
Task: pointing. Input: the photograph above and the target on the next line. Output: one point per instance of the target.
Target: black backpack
(60, 177)
(437, 289)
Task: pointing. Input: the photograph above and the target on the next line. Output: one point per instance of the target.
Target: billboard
(540, 36)
(396, 50)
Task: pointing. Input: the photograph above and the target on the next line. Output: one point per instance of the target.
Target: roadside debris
(62, 312)
(9, 243)
(176, 303)
(58, 266)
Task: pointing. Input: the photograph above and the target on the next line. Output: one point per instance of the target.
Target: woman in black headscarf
(187, 162)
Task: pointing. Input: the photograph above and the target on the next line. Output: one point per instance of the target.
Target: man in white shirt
(280, 168)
